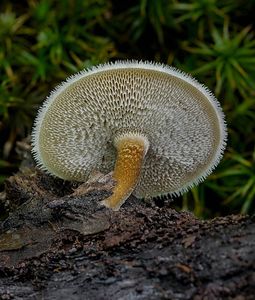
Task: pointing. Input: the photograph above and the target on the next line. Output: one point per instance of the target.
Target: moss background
(43, 42)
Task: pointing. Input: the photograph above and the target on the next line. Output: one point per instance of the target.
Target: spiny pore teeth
(183, 121)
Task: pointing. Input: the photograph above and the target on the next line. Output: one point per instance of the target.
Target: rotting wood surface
(60, 243)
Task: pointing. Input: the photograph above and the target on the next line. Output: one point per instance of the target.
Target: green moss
(44, 41)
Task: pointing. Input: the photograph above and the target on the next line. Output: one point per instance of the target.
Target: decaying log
(59, 242)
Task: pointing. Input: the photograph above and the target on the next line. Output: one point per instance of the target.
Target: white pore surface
(75, 128)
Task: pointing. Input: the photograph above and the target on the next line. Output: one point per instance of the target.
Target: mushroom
(160, 130)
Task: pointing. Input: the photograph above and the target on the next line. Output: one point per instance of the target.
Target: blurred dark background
(43, 42)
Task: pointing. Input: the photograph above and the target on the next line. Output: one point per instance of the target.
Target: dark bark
(60, 243)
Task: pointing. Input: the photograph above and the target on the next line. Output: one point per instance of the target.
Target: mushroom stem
(131, 150)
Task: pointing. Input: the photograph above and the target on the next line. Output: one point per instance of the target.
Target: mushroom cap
(75, 128)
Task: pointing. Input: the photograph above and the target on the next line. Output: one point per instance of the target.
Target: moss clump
(42, 42)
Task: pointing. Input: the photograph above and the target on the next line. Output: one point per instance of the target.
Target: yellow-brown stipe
(130, 154)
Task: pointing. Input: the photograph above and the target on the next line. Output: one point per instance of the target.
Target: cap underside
(182, 120)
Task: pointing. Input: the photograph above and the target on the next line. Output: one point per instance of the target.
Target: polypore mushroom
(163, 131)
